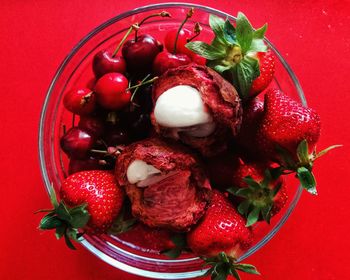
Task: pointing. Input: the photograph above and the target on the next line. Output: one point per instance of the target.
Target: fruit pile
(201, 178)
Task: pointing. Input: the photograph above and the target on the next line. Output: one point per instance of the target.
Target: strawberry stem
(161, 14)
(188, 15)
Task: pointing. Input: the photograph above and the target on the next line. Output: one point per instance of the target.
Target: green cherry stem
(197, 30)
(132, 27)
(135, 91)
(161, 14)
(188, 15)
(143, 83)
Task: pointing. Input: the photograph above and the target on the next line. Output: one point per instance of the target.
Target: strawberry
(288, 132)
(220, 238)
(261, 195)
(90, 200)
(267, 71)
(236, 52)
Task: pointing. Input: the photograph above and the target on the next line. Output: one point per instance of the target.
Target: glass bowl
(76, 70)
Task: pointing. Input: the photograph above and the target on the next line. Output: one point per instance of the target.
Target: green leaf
(244, 32)
(248, 268)
(247, 71)
(53, 196)
(243, 207)
(287, 158)
(253, 217)
(229, 32)
(252, 183)
(217, 25)
(179, 240)
(63, 212)
(323, 152)
(260, 32)
(266, 213)
(79, 216)
(60, 231)
(220, 68)
(267, 179)
(68, 241)
(257, 45)
(307, 180)
(50, 221)
(276, 172)
(303, 152)
(205, 50)
(243, 192)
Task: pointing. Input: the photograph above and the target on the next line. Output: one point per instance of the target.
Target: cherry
(115, 135)
(105, 62)
(166, 60)
(196, 58)
(77, 143)
(80, 101)
(77, 165)
(140, 52)
(112, 91)
(93, 125)
(170, 38)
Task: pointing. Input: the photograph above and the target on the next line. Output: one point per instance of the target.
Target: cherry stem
(197, 31)
(188, 15)
(161, 14)
(134, 93)
(132, 27)
(143, 83)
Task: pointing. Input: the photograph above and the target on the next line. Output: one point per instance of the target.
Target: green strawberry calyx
(222, 265)
(64, 220)
(258, 198)
(302, 167)
(232, 53)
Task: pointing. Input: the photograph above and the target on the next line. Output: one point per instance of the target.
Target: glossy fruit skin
(170, 37)
(222, 229)
(77, 143)
(99, 190)
(92, 124)
(80, 101)
(104, 62)
(111, 91)
(139, 54)
(198, 59)
(286, 123)
(267, 71)
(115, 135)
(166, 60)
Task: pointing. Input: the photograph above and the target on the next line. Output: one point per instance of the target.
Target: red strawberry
(221, 236)
(267, 71)
(90, 200)
(261, 196)
(287, 122)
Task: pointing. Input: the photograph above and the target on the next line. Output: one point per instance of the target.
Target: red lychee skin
(99, 190)
(222, 229)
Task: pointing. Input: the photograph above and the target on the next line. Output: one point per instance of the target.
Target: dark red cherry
(115, 135)
(140, 53)
(93, 125)
(77, 165)
(111, 91)
(80, 101)
(166, 60)
(77, 143)
(104, 62)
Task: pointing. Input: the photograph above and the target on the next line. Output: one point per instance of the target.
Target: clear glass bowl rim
(88, 245)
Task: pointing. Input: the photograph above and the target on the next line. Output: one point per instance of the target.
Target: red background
(35, 36)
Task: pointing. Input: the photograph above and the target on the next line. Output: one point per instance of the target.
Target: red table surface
(35, 36)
